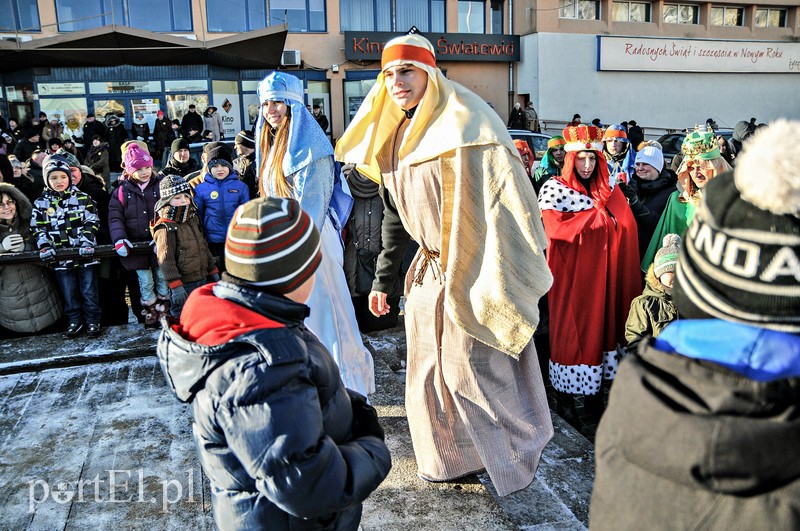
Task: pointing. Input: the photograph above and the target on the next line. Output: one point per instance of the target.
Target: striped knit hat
(667, 257)
(740, 258)
(273, 244)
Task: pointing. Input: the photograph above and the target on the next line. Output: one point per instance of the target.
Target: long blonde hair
(274, 174)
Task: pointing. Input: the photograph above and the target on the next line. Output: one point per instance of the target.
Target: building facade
(664, 64)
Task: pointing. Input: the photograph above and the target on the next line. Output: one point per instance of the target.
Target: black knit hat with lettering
(740, 258)
(272, 244)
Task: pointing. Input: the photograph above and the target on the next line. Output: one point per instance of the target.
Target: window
(681, 14)
(377, 15)
(630, 12)
(580, 9)
(76, 15)
(301, 15)
(770, 18)
(233, 16)
(19, 15)
(470, 16)
(727, 16)
(496, 14)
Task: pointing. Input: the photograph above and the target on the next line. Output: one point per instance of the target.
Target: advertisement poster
(148, 108)
(251, 103)
(228, 107)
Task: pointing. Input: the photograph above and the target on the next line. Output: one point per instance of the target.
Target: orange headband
(614, 133)
(407, 52)
(556, 142)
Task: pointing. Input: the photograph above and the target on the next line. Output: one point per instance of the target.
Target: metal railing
(73, 253)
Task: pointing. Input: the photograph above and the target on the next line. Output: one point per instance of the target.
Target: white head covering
(448, 117)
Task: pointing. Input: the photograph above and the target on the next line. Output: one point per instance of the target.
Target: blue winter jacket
(273, 422)
(217, 201)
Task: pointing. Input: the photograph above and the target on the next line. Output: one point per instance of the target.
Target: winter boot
(163, 305)
(150, 313)
(593, 408)
(565, 407)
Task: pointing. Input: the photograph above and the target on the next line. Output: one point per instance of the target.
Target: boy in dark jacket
(217, 196)
(130, 211)
(282, 441)
(702, 423)
(653, 310)
(182, 251)
(63, 216)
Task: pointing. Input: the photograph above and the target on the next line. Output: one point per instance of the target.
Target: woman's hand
(377, 303)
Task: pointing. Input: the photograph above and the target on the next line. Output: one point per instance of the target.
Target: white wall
(559, 71)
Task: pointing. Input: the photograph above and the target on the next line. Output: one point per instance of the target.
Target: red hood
(208, 320)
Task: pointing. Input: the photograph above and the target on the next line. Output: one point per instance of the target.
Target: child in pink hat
(130, 211)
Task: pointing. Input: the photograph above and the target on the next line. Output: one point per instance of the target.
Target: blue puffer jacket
(216, 202)
(273, 422)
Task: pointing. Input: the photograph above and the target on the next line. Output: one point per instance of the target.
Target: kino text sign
(367, 46)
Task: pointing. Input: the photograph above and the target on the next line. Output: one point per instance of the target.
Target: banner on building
(368, 46)
(643, 54)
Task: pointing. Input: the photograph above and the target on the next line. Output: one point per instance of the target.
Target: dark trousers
(81, 298)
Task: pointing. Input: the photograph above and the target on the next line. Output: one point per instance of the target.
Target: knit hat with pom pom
(667, 257)
(740, 258)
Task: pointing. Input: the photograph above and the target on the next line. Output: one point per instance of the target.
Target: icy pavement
(91, 438)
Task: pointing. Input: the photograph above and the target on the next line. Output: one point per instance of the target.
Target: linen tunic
(469, 406)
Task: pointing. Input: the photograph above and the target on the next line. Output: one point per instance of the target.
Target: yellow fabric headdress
(468, 120)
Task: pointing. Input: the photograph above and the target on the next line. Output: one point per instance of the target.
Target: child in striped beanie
(267, 395)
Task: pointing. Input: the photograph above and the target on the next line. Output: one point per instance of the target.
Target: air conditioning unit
(290, 58)
(16, 38)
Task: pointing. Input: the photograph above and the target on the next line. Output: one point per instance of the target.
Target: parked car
(536, 141)
(671, 143)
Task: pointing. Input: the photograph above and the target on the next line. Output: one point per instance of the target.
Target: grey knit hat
(273, 244)
(172, 185)
(667, 257)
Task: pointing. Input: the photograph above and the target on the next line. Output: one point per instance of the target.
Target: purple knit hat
(136, 158)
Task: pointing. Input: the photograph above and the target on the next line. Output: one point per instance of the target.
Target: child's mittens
(46, 254)
(122, 246)
(179, 296)
(12, 243)
(86, 250)
(365, 418)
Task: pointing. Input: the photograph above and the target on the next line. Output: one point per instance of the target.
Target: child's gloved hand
(214, 277)
(179, 296)
(12, 243)
(46, 254)
(365, 418)
(122, 247)
(86, 250)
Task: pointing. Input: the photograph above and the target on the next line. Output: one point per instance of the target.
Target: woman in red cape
(594, 258)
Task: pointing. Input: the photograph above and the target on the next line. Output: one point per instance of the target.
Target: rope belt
(428, 257)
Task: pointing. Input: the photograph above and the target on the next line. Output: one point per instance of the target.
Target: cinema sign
(367, 46)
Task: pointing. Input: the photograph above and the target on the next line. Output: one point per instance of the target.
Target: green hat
(700, 145)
